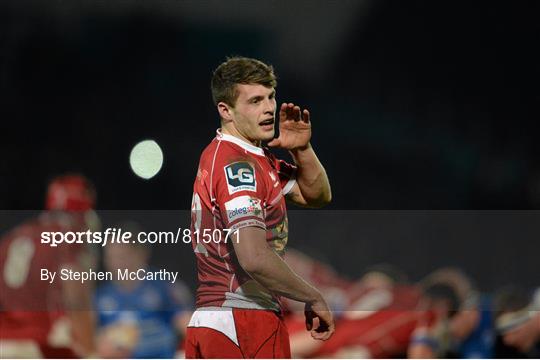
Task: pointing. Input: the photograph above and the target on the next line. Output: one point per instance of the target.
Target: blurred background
(417, 105)
(418, 108)
(421, 105)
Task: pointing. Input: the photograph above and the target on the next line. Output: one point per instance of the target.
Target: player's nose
(269, 107)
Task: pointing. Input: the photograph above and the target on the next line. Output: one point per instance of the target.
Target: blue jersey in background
(151, 306)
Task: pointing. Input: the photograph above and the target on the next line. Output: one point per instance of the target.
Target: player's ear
(225, 111)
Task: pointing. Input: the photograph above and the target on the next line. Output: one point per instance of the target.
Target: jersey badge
(240, 177)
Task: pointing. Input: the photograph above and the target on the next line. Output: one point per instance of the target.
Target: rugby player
(37, 318)
(241, 186)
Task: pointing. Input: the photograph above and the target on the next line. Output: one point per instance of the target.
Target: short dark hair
(239, 70)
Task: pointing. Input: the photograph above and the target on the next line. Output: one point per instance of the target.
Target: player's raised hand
(319, 320)
(294, 128)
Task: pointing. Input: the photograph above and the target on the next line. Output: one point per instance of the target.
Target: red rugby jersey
(237, 185)
(31, 306)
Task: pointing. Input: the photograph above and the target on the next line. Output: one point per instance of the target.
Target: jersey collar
(243, 144)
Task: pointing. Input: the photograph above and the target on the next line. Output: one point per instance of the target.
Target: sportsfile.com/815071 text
(118, 236)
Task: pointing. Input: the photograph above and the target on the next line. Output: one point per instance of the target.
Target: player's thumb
(275, 142)
(309, 320)
(326, 318)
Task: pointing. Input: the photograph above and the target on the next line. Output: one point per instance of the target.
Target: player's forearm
(273, 273)
(311, 177)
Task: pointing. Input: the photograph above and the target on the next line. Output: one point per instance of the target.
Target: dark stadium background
(415, 105)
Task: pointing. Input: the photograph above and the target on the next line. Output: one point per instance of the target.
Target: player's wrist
(315, 298)
(301, 149)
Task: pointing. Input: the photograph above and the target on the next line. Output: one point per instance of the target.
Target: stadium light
(146, 159)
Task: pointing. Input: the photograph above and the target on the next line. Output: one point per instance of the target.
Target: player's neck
(232, 131)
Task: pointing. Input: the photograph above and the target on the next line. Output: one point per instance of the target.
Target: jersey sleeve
(240, 193)
(286, 173)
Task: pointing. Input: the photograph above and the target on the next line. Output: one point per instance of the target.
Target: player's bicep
(290, 188)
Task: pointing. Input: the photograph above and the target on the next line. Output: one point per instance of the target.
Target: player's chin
(267, 133)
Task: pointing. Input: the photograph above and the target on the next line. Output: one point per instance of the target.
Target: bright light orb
(146, 159)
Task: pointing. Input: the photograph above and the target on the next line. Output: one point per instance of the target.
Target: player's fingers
(331, 329)
(325, 335)
(289, 110)
(283, 111)
(316, 335)
(326, 318)
(316, 323)
(309, 323)
(297, 114)
(306, 117)
(309, 318)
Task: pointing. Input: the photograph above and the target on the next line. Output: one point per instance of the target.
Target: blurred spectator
(465, 326)
(376, 318)
(518, 322)
(48, 318)
(139, 318)
(383, 316)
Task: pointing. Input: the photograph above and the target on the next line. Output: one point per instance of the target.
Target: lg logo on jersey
(240, 177)
(244, 175)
